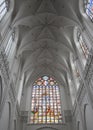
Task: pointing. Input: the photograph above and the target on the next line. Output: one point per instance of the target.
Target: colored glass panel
(89, 8)
(83, 46)
(46, 105)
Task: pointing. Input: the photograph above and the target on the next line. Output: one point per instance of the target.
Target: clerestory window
(10, 43)
(3, 8)
(46, 103)
(88, 4)
(83, 48)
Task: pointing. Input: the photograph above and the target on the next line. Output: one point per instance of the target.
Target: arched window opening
(82, 47)
(5, 119)
(9, 123)
(10, 43)
(46, 103)
(4, 5)
(15, 124)
(78, 125)
(88, 4)
(88, 116)
(85, 106)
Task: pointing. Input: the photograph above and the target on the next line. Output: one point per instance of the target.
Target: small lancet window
(46, 103)
(4, 5)
(89, 8)
(9, 44)
(82, 48)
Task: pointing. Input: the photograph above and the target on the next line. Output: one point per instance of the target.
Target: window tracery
(9, 44)
(89, 8)
(4, 4)
(46, 104)
(83, 45)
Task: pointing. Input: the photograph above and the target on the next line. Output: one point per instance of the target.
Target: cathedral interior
(46, 65)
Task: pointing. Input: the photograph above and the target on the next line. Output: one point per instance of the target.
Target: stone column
(79, 107)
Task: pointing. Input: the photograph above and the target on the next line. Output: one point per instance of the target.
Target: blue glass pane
(89, 9)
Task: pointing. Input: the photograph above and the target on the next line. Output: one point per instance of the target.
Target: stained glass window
(46, 104)
(3, 8)
(89, 8)
(83, 46)
(10, 43)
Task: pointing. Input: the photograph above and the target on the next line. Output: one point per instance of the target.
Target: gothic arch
(46, 101)
(6, 117)
(86, 20)
(3, 24)
(81, 45)
(78, 125)
(85, 116)
(81, 8)
(9, 121)
(15, 125)
(88, 117)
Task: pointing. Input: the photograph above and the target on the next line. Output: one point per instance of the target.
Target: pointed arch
(81, 45)
(88, 6)
(4, 5)
(46, 103)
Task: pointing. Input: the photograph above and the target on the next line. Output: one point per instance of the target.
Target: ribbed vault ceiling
(46, 37)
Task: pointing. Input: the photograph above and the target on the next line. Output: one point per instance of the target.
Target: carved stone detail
(4, 65)
(24, 116)
(12, 93)
(88, 73)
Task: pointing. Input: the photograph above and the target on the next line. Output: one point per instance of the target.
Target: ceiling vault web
(44, 30)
